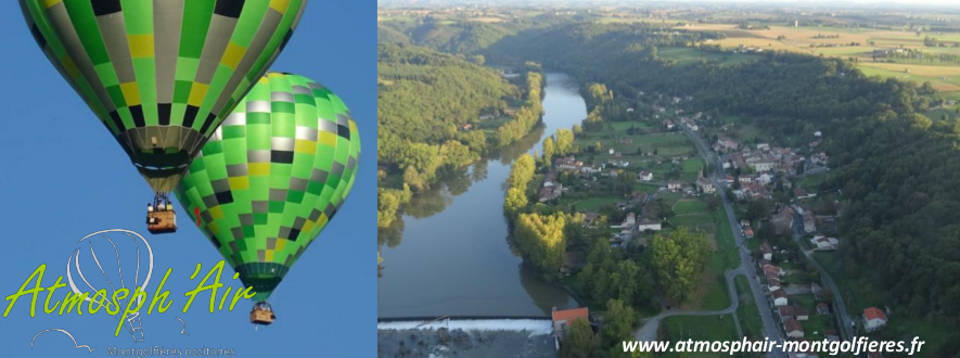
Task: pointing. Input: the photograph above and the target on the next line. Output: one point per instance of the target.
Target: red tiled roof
(874, 313)
(786, 311)
(571, 314)
(768, 269)
(791, 325)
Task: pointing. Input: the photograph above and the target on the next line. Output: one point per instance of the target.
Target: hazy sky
(832, 2)
(925, 4)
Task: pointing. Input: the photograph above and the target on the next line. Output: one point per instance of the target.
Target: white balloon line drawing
(76, 261)
(183, 324)
(99, 266)
(135, 325)
(66, 333)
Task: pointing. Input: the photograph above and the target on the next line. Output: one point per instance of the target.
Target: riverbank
(410, 168)
(452, 256)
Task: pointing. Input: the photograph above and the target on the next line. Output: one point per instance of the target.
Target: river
(451, 254)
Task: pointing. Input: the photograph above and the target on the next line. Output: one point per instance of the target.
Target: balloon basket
(160, 215)
(160, 222)
(262, 315)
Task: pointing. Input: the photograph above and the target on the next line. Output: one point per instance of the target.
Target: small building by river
(563, 319)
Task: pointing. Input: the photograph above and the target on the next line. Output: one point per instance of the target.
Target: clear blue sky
(54, 152)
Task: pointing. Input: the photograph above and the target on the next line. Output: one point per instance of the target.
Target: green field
(720, 328)
(715, 296)
(665, 144)
(747, 312)
(810, 183)
(724, 258)
(856, 44)
(692, 168)
(594, 204)
(712, 293)
(641, 187)
(689, 206)
(621, 126)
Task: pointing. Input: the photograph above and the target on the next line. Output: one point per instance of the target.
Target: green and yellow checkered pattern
(272, 176)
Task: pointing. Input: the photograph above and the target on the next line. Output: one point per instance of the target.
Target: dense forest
(439, 112)
(897, 170)
(462, 35)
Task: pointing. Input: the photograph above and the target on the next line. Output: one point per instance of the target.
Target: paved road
(771, 326)
(840, 308)
(648, 331)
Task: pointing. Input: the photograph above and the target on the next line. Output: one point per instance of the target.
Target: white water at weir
(535, 327)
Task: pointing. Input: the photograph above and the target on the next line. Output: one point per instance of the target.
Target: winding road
(840, 308)
(648, 331)
(771, 326)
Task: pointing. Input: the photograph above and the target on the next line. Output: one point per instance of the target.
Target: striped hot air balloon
(161, 74)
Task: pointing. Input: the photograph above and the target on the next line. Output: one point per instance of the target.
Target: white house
(589, 170)
(628, 222)
(825, 243)
(765, 178)
(645, 176)
(763, 166)
(649, 225)
(674, 185)
(779, 298)
(874, 319)
(705, 185)
(773, 283)
(767, 251)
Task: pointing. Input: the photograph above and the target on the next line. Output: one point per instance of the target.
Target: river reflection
(449, 253)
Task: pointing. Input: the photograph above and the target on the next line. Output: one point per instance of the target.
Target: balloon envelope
(272, 176)
(161, 74)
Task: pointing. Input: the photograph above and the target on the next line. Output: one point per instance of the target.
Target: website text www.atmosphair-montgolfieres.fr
(854, 346)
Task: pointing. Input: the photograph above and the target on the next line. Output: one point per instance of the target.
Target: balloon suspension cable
(160, 200)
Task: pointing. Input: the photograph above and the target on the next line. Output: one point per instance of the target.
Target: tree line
(897, 169)
(432, 112)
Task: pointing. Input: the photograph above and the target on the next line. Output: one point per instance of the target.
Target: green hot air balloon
(271, 177)
(161, 74)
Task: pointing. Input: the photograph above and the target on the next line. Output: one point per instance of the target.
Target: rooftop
(571, 314)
